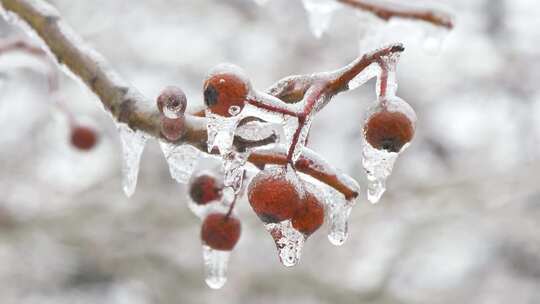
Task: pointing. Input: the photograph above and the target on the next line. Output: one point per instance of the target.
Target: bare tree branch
(386, 12)
(127, 105)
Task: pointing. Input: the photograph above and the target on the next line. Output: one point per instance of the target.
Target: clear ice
(289, 242)
(181, 159)
(215, 266)
(133, 143)
(338, 210)
(320, 14)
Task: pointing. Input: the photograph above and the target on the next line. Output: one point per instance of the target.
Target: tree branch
(126, 104)
(387, 12)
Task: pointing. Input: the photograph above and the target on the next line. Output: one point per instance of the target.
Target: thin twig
(387, 12)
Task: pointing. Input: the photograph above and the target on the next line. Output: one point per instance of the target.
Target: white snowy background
(459, 223)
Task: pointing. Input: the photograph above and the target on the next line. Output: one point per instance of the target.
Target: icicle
(434, 37)
(378, 165)
(390, 62)
(233, 168)
(338, 210)
(133, 143)
(215, 265)
(181, 160)
(320, 14)
(289, 242)
(221, 132)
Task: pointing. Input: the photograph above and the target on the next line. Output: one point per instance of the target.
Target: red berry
(83, 138)
(172, 129)
(205, 188)
(172, 102)
(390, 131)
(226, 86)
(220, 232)
(309, 216)
(274, 194)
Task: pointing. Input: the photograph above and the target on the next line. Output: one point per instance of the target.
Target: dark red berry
(172, 129)
(205, 188)
(172, 102)
(388, 131)
(309, 216)
(274, 194)
(220, 232)
(83, 138)
(226, 87)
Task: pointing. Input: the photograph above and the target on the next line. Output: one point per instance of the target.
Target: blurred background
(459, 223)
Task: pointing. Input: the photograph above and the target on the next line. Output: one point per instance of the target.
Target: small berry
(172, 102)
(390, 131)
(220, 232)
(83, 138)
(172, 129)
(309, 216)
(205, 188)
(226, 89)
(274, 194)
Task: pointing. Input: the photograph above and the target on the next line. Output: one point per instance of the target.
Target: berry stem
(383, 80)
(231, 207)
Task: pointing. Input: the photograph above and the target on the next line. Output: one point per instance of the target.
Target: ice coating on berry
(220, 232)
(388, 131)
(172, 129)
(83, 138)
(181, 159)
(133, 143)
(205, 188)
(320, 14)
(172, 102)
(310, 214)
(226, 86)
(275, 194)
(289, 242)
(384, 139)
(215, 266)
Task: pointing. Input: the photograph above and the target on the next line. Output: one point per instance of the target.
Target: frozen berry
(275, 194)
(309, 216)
(172, 102)
(172, 129)
(205, 188)
(220, 232)
(390, 131)
(226, 89)
(83, 138)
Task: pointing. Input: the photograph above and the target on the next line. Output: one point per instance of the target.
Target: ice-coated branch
(125, 103)
(386, 12)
